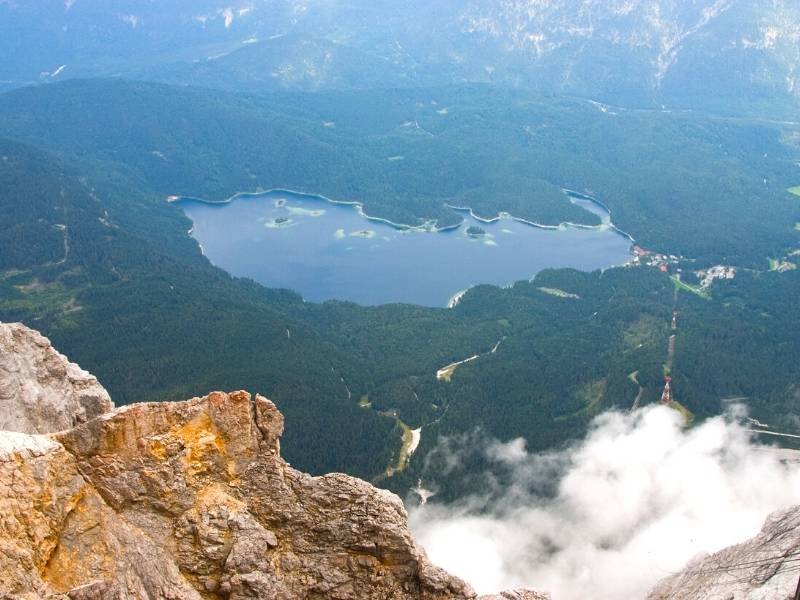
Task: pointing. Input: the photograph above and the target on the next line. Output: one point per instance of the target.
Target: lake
(330, 251)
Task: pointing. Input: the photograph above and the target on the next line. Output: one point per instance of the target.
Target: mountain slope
(133, 279)
(729, 56)
(125, 290)
(760, 568)
(682, 184)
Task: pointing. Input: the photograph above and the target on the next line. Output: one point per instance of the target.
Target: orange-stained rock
(192, 500)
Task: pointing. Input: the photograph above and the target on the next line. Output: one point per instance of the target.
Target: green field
(690, 288)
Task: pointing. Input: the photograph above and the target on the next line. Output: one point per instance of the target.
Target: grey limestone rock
(762, 568)
(40, 390)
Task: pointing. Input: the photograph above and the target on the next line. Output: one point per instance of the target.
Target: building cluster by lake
(708, 276)
(646, 258)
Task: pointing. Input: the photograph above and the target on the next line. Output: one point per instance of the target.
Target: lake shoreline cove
(431, 224)
(288, 239)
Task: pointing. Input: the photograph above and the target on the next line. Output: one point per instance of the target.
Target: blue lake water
(330, 251)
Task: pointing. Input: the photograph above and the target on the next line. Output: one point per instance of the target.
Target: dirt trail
(634, 377)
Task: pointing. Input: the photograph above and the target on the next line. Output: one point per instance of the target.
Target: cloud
(634, 501)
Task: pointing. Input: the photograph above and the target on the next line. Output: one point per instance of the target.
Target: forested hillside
(94, 257)
(115, 281)
(465, 146)
(736, 57)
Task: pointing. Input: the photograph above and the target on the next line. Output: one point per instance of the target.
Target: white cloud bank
(636, 500)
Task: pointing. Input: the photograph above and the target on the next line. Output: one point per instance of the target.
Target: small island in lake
(475, 231)
(278, 223)
(363, 233)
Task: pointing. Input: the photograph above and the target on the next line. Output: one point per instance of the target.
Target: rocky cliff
(184, 500)
(40, 390)
(192, 500)
(766, 567)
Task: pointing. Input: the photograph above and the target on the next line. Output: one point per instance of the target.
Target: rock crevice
(182, 500)
(192, 500)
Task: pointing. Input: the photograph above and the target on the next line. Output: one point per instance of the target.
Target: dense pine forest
(493, 150)
(94, 256)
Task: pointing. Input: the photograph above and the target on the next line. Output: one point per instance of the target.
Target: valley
(494, 151)
(134, 279)
(530, 266)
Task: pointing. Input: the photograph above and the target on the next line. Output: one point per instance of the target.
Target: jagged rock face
(40, 390)
(182, 501)
(192, 500)
(39, 487)
(763, 568)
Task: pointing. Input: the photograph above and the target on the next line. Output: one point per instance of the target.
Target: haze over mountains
(729, 56)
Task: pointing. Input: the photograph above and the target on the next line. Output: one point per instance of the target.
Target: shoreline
(609, 224)
(428, 225)
(604, 206)
(431, 224)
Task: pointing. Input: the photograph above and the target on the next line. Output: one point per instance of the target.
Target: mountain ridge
(643, 53)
